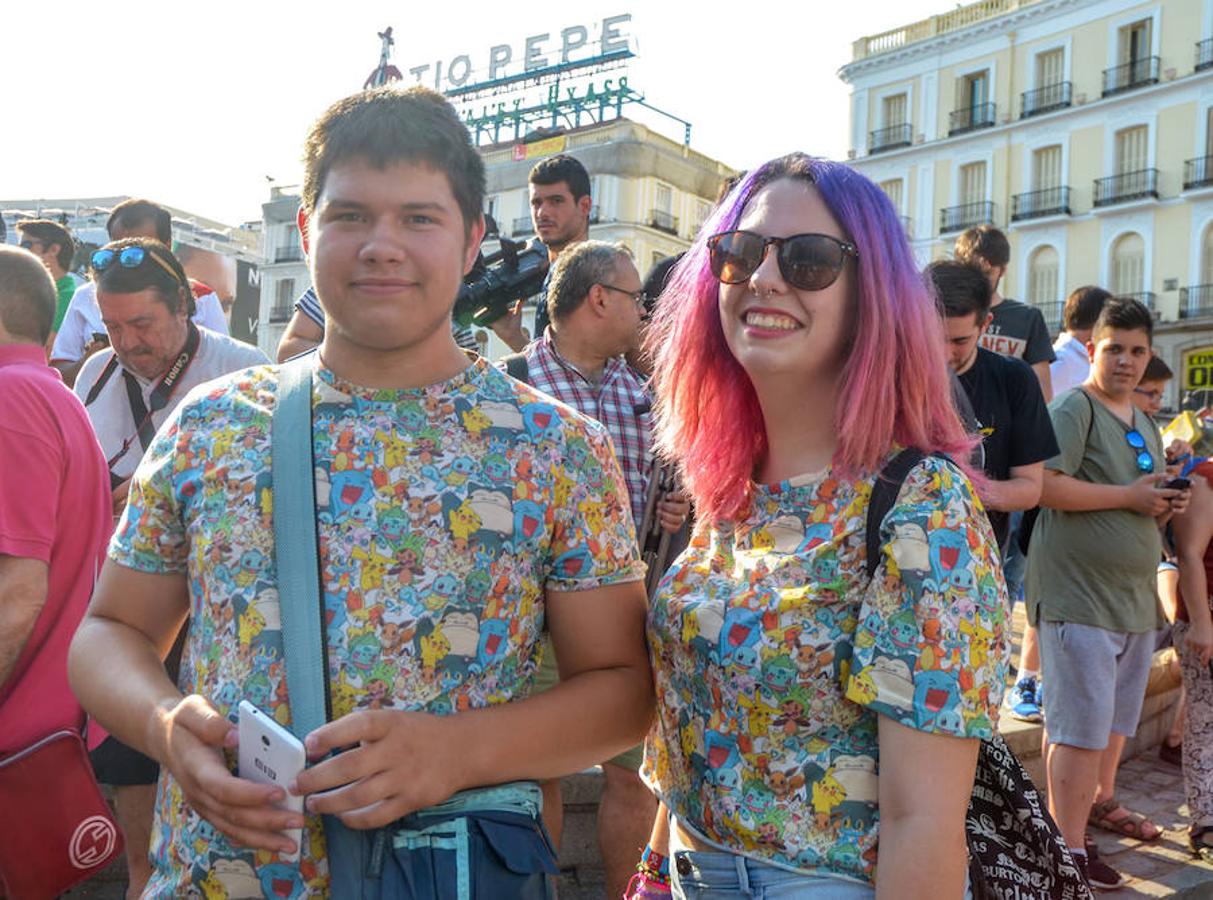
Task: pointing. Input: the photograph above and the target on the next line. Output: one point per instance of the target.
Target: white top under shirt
(83, 319)
(110, 412)
(1072, 365)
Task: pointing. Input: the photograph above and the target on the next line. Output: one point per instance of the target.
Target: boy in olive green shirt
(1090, 580)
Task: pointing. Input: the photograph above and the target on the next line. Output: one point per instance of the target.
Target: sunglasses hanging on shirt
(1145, 460)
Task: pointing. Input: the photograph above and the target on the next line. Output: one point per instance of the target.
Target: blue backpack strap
(295, 549)
(884, 494)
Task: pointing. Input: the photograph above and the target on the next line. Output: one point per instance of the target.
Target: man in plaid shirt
(596, 303)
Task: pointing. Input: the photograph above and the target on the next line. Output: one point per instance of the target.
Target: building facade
(1082, 128)
(648, 192)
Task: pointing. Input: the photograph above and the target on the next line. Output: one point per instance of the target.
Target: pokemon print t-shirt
(443, 513)
(773, 657)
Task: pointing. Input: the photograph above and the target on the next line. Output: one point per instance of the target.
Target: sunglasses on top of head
(129, 258)
(809, 262)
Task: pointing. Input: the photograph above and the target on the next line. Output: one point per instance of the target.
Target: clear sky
(195, 104)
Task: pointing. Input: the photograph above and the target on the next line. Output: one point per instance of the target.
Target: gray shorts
(1094, 681)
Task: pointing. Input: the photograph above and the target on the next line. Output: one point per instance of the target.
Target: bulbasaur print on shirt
(774, 657)
(442, 514)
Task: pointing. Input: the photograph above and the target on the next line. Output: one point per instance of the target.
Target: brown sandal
(1130, 825)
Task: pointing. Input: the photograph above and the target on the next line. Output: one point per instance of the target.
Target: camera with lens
(514, 271)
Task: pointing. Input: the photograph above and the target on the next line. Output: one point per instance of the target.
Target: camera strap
(161, 393)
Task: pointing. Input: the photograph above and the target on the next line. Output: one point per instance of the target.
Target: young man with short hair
(53, 244)
(459, 514)
(1015, 328)
(1016, 434)
(1091, 574)
(1071, 367)
(559, 188)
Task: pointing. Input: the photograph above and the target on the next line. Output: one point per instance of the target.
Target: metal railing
(1204, 54)
(522, 226)
(1053, 315)
(1148, 299)
(1044, 99)
(663, 221)
(282, 313)
(958, 218)
(1134, 74)
(890, 138)
(288, 254)
(970, 118)
(1034, 204)
(1126, 186)
(1196, 301)
(1198, 172)
(924, 29)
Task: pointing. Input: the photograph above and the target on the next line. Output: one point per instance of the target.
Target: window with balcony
(1048, 197)
(973, 107)
(1198, 172)
(662, 215)
(1052, 91)
(1204, 54)
(1133, 179)
(290, 250)
(895, 131)
(974, 208)
(1196, 300)
(1135, 66)
(703, 209)
(284, 301)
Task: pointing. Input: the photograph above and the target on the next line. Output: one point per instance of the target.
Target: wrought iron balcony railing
(1196, 301)
(958, 218)
(970, 118)
(1035, 204)
(1198, 172)
(522, 226)
(281, 313)
(1148, 299)
(1204, 54)
(1052, 313)
(1135, 74)
(663, 221)
(890, 138)
(1045, 99)
(288, 254)
(1126, 186)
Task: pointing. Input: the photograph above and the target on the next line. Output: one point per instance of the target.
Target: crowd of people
(796, 708)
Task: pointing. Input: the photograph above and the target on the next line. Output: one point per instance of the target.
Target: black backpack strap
(884, 494)
(517, 368)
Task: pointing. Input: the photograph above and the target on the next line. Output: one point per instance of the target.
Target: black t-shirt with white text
(1018, 330)
(1015, 425)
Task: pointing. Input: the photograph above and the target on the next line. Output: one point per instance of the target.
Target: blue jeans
(716, 875)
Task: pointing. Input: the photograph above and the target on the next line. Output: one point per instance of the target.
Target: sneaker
(1023, 700)
(1099, 873)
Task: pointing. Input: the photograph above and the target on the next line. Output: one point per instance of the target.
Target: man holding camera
(559, 188)
(157, 355)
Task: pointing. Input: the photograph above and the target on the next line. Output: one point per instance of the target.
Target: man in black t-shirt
(1017, 434)
(1016, 329)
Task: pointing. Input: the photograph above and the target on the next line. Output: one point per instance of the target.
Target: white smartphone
(269, 754)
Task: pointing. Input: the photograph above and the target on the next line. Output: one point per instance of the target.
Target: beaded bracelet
(654, 866)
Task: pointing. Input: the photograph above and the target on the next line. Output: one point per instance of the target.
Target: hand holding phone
(269, 754)
(1177, 484)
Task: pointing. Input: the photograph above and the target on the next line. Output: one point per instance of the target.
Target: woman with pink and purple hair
(798, 351)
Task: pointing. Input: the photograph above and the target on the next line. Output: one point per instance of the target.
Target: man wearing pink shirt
(54, 512)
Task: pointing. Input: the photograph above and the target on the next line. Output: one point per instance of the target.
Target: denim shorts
(1094, 680)
(716, 875)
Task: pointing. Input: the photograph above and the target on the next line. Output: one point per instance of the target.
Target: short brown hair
(27, 295)
(49, 232)
(1157, 370)
(387, 125)
(984, 242)
(1083, 306)
(131, 213)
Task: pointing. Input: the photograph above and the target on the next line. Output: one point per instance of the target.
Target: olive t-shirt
(1095, 568)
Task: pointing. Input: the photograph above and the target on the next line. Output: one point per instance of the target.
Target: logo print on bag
(92, 841)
